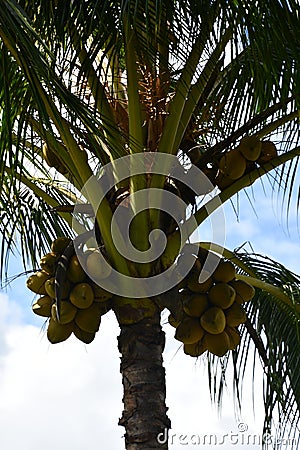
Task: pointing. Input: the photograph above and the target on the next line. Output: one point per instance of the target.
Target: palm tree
(85, 83)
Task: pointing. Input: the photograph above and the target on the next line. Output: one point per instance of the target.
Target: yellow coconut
(268, 152)
(96, 266)
(82, 295)
(196, 304)
(244, 291)
(189, 330)
(199, 283)
(218, 344)
(195, 349)
(67, 312)
(42, 306)
(235, 315)
(48, 263)
(233, 164)
(225, 271)
(222, 295)
(75, 272)
(250, 147)
(57, 332)
(83, 336)
(89, 319)
(213, 320)
(50, 288)
(223, 181)
(172, 321)
(234, 337)
(36, 282)
(60, 244)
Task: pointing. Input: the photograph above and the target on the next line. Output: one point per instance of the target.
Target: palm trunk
(145, 413)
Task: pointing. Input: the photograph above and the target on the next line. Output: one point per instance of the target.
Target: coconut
(196, 304)
(224, 272)
(218, 344)
(195, 349)
(83, 336)
(213, 320)
(75, 272)
(36, 282)
(57, 332)
(67, 312)
(189, 330)
(233, 164)
(250, 147)
(244, 291)
(89, 319)
(82, 295)
(60, 244)
(42, 306)
(222, 295)
(235, 315)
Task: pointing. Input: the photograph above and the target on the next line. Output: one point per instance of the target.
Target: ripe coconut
(224, 272)
(36, 282)
(50, 288)
(189, 330)
(48, 263)
(218, 344)
(195, 349)
(235, 315)
(233, 164)
(83, 336)
(57, 332)
(42, 306)
(199, 283)
(196, 304)
(75, 272)
(250, 147)
(222, 295)
(268, 152)
(82, 295)
(89, 319)
(213, 320)
(97, 267)
(67, 312)
(60, 244)
(172, 321)
(244, 291)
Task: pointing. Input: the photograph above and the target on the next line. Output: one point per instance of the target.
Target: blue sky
(69, 395)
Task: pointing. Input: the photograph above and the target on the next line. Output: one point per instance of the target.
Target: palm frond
(272, 331)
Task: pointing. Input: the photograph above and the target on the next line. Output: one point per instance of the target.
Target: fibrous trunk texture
(145, 413)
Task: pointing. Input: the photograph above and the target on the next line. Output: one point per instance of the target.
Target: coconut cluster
(244, 158)
(82, 301)
(211, 309)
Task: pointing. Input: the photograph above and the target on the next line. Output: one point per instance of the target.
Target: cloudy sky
(69, 396)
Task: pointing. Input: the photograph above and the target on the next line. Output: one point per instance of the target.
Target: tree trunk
(145, 413)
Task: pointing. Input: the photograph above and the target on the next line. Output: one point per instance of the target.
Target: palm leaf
(272, 331)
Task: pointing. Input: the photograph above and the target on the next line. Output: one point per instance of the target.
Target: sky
(69, 395)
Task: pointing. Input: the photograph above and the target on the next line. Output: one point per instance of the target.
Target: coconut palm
(85, 83)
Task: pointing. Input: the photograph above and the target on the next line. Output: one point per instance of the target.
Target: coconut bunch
(82, 302)
(244, 158)
(211, 309)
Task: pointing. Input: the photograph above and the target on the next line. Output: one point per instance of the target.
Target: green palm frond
(272, 332)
